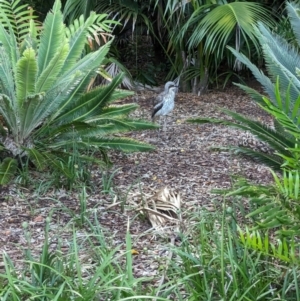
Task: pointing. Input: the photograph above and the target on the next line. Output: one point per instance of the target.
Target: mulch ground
(183, 160)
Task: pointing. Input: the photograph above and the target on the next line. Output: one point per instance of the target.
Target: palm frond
(73, 9)
(8, 111)
(52, 36)
(8, 168)
(281, 60)
(77, 34)
(49, 75)
(6, 72)
(279, 142)
(220, 23)
(266, 83)
(78, 79)
(282, 250)
(118, 110)
(116, 143)
(122, 144)
(26, 71)
(255, 95)
(271, 160)
(90, 104)
(9, 41)
(293, 12)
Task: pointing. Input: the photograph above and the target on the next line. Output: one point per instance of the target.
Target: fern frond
(17, 16)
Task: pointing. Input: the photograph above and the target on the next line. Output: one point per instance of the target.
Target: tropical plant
(129, 17)
(89, 270)
(272, 207)
(216, 264)
(283, 102)
(46, 108)
(200, 30)
(281, 139)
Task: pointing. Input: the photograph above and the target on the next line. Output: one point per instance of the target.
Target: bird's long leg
(158, 130)
(165, 123)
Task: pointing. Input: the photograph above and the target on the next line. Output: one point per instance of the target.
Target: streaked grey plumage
(161, 95)
(166, 105)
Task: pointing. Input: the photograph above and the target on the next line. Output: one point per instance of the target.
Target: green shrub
(49, 115)
(283, 90)
(215, 264)
(88, 269)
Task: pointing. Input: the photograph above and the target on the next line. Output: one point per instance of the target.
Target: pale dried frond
(163, 210)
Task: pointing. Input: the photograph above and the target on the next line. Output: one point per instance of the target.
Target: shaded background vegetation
(161, 40)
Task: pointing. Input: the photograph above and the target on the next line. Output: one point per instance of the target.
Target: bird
(167, 104)
(159, 97)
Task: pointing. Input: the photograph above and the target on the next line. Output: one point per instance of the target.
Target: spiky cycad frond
(44, 101)
(282, 60)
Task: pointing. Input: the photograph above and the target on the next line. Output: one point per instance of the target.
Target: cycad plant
(283, 90)
(47, 111)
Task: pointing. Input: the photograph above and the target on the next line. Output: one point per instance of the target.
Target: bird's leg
(165, 123)
(158, 130)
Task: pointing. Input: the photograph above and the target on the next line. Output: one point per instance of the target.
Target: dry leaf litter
(165, 185)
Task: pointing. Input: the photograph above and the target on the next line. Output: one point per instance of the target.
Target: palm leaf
(49, 75)
(293, 12)
(281, 60)
(75, 8)
(9, 41)
(6, 72)
(37, 158)
(273, 161)
(76, 34)
(117, 143)
(87, 67)
(118, 110)
(276, 141)
(220, 23)
(266, 83)
(52, 37)
(90, 104)
(26, 71)
(283, 250)
(8, 168)
(7, 110)
(122, 144)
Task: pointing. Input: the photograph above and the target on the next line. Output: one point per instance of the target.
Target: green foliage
(284, 107)
(47, 108)
(216, 264)
(199, 32)
(273, 207)
(8, 168)
(283, 250)
(282, 61)
(16, 17)
(88, 270)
